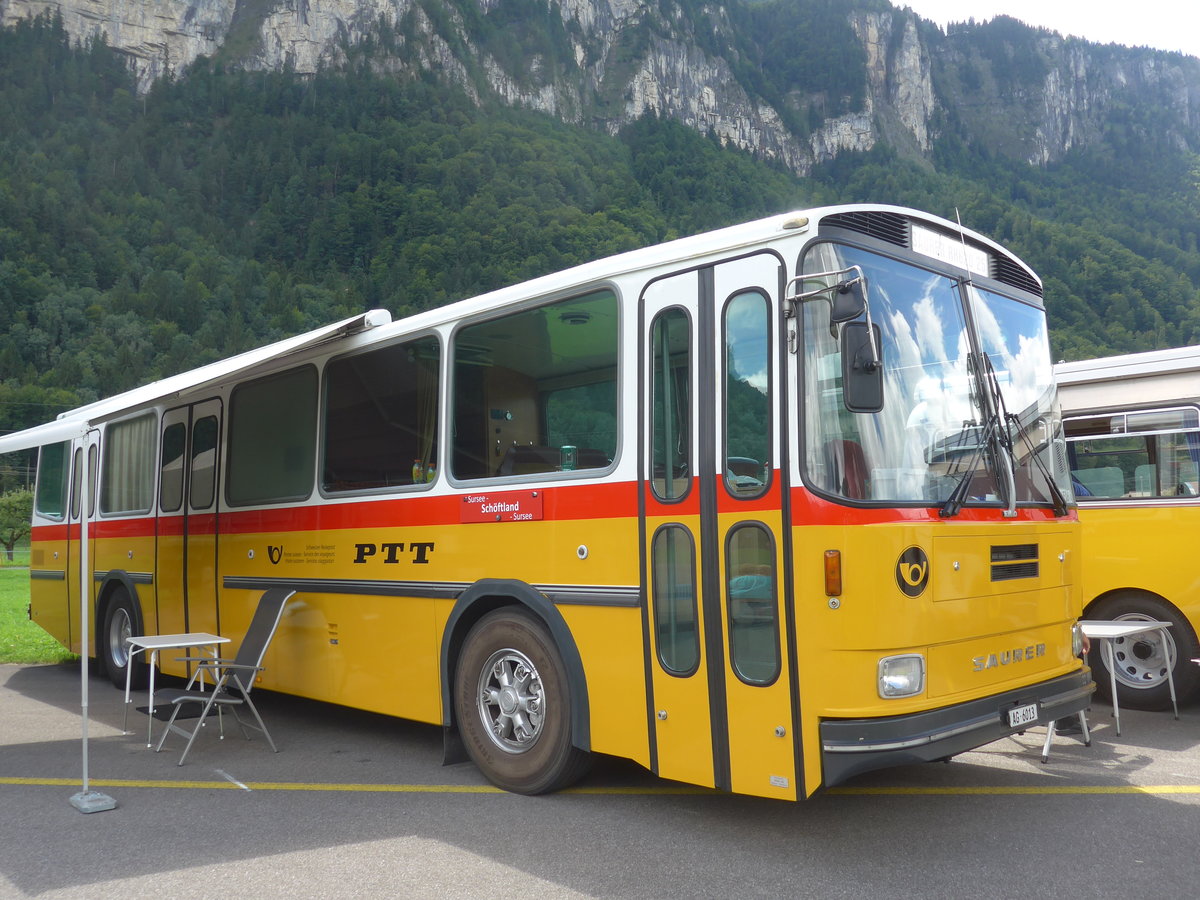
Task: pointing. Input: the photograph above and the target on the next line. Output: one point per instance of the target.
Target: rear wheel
(121, 621)
(1142, 661)
(513, 704)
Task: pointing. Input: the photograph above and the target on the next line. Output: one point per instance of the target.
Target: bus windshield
(968, 418)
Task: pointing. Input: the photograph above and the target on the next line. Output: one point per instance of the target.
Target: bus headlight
(1076, 640)
(901, 676)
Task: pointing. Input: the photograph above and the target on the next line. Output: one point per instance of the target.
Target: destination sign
(512, 506)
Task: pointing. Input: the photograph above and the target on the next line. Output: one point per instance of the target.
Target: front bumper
(850, 747)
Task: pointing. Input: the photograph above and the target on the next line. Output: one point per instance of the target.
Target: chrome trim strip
(560, 594)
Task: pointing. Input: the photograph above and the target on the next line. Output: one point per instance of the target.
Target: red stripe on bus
(809, 509)
(562, 503)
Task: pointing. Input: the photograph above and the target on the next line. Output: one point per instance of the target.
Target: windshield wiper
(1057, 498)
(995, 441)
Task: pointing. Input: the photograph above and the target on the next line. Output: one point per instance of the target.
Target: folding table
(1107, 632)
(154, 643)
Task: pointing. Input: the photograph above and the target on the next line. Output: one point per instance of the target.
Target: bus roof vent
(1007, 270)
(885, 226)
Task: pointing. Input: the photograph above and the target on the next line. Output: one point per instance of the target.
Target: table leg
(150, 716)
(1051, 728)
(128, 669)
(1170, 671)
(1112, 674)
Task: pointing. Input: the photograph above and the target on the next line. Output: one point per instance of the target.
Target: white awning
(77, 422)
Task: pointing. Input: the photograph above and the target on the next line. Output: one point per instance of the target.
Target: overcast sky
(1162, 24)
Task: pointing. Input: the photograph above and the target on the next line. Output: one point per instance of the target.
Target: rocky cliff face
(622, 58)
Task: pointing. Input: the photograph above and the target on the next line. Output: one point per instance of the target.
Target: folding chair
(233, 678)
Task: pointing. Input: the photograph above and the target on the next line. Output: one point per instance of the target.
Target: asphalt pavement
(359, 805)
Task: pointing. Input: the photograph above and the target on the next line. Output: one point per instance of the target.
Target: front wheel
(1142, 661)
(513, 704)
(121, 621)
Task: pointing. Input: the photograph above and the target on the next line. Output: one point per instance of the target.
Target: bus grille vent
(1013, 561)
(885, 226)
(1007, 271)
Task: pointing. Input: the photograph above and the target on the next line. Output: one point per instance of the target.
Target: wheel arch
(472, 605)
(109, 584)
(1131, 593)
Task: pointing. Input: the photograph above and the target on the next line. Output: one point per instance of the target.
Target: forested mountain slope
(147, 227)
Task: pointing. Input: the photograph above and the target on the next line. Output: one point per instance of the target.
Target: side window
(51, 496)
(127, 468)
(76, 481)
(747, 392)
(671, 394)
(273, 438)
(170, 477)
(676, 629)
(205, 434)
(536, 391)
(1150, 454)
(381, 417)
(753, 609)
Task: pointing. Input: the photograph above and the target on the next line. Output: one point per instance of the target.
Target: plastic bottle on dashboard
(418, 474)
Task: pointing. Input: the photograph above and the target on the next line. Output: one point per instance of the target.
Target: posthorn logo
(912, 571)
(275, 553)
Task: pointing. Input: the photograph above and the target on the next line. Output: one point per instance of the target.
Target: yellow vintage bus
(1133, 437)
(761, 509)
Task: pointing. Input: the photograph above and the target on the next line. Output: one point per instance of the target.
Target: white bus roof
(1130, 365)
(1126, 382)
(78, 421)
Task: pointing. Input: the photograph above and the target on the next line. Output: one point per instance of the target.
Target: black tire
(512, 701)
(122, 619)
(1142, 659)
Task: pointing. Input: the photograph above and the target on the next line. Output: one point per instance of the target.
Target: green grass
(20, 640)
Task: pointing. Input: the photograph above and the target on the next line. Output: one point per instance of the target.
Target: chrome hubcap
(510, 700)
(1142, 661)
(119, 632)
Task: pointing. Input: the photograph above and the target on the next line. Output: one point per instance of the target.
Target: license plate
(1022, 715)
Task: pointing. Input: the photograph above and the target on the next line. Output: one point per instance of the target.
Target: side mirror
(849, 300)
(862, 367)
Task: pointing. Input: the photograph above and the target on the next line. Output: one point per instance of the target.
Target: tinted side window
(671, 393)
(747, 392)
(676, 623)
(753, 609)
(51, 498)
(381, 417)
(170, 479)
(273, 438)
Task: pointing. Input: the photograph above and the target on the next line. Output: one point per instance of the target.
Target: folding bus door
(721, 685)
(186, 565)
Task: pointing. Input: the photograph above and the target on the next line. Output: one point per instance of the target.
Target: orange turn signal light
(833, 573)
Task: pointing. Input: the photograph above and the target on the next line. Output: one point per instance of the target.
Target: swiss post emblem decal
(912, 571)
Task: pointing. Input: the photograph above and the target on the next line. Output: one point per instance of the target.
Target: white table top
(162, 641)
(1105, 629)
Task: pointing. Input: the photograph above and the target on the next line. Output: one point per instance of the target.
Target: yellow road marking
(1150, 789)
(332, 786)
(1020, 789)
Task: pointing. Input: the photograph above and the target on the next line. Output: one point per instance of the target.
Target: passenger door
(721, 683)
(186, 565)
